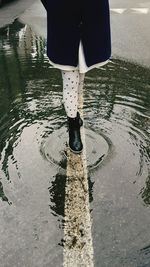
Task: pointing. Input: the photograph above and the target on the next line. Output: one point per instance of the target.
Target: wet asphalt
(61, 209)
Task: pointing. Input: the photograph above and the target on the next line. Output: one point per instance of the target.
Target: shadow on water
(28, 97)
(57, 193)
(31, 93)
(116, 104)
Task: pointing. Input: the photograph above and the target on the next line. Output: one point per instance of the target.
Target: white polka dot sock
(70, 92)
(81, 84)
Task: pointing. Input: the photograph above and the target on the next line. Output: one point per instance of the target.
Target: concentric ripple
(116, 99)
(116, 114)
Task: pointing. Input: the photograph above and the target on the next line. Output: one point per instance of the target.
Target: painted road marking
(78, 245)
(139, 10)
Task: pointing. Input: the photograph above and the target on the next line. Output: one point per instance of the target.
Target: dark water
(116, 104)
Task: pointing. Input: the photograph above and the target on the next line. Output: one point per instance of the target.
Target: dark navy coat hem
(76, 64)
(68, 22)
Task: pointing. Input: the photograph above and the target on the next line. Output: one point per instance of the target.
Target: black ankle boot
(75, 142)
(80, 120)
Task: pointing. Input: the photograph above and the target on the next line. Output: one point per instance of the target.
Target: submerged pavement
(57, 208)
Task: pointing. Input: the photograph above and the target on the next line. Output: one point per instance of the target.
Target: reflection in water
(145, 192)
(57, 192)
(2, 196)
(116, 100)
(116, 104)
(116, 97)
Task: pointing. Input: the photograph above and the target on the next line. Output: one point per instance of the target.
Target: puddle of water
(116, 107)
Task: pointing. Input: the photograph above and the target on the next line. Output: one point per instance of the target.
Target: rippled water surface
(117, 107)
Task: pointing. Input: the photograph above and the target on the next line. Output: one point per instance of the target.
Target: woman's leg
(71, 83)
(80, 87)
(81, 82)
(70, 91)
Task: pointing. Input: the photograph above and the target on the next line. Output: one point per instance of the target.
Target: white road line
(138, 10)
(78, 245)
(141, 10)
(118, 10)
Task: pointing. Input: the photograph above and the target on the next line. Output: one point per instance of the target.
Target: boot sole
(76, 152)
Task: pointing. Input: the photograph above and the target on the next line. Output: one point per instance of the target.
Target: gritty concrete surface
(32, 226)
(130, 22)
(12, 10)
(129, 28)
(129, 25)
(35, 17)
